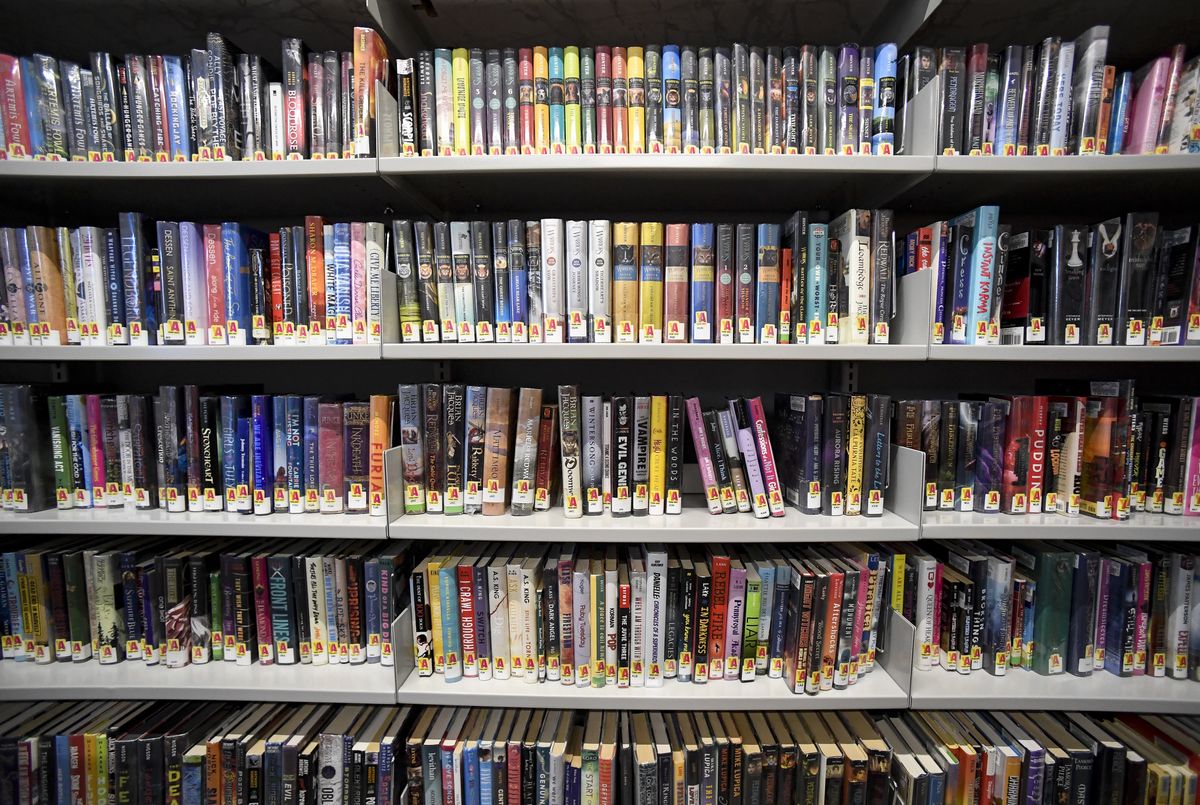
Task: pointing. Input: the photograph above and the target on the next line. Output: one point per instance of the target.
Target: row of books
(182, 451)
(160, 602)
(159, 752)
(194, 752)
(1128, 280)
(599, 281)
(1086, 448)
(215, 103)
(1052, 607)
(655, 99)
(179, 282)
(1056, 98)
(639, 617)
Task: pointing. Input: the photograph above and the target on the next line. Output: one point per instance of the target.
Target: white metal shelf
(696, 352)
(1120, 164)
(176, 171)
(695, 524)
(271, 352)
(938, 689)
(215, 524)
(1034, 353)
(217, 681)
(977, 525)
(875, 690)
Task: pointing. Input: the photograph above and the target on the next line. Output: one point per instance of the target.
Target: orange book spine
(380, 436)
(314, 239)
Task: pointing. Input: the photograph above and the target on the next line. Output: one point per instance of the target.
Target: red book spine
(314, 236)
(12, 94)
(214, 276)
(766, 456)
(466, 618)
(525, 105)
(566, 634)
(1014, 491)
(158, 107)
(1039, 410)
(604, 100)
(276, 257)
(937, 609)
(719, 606)
(262, 610)
(675, 282)
(77, 756)
(547, 459)
(514, 770)
(96, 447)
(858, 657)
(833, 620)
(329, 447)
(924, 248)
(620, 125)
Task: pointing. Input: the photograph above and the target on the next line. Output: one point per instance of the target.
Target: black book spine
(622, 455)
(703, 619)
(484, 282)
(883, 256)
(671, 632)
(654, 100)
(791, 103)
(280, 587)
(260, 301)
(950, 133)
(948, 456)
(125, 104)
(876, 454)
(494, 88)
(112, 450)
(426, 105)
(833, 460)
(1138, 281)
(299, 595)
(675, 440)
(171, 313)
(811, 460)
(964, 460)
(690, 81)
(435, 447)
(454, 403)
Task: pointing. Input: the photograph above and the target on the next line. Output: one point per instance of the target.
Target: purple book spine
(264, 443)
(847, 99)
(703, 456)
(745, 440)
(734, 618)
(766, 456)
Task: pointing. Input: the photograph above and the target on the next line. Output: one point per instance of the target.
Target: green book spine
(1052, 614)
(78, 622)
(597, 612)
(60, 453)
(750, 626)
(214, 603)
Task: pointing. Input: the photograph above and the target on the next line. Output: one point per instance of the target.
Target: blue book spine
(1122, 97)
(959, 266)
(470, 762)
(983, 273)
(486, 772)
(503, 281)
(177, 110)
(518, 274)
(295, 453)
(133, 269)
(229, 472)
(940, 278)
(371, 607)
(483, 637)
(112, 277)
(12, 592)
(816, 306)
(149, 619)
(672, 99)
(235, 260)
(1122, 597)
(26, 268)
(883, 115)
(703, 262)
(244, 448)
(263, 439)
(33, 105)
(384, 782)
(558, 112)
(62, 769)
(331, 616)
(312, 462)
(574, 783)
(783, 580)
(451, 637)
(767, 308)
(193, 784)
(766, 607)
(5, 615)
(279, 452)
(76, 425)
(341, 259)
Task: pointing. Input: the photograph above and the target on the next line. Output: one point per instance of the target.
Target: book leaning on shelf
(597, 281)
(412, 755)
(1053, 607)
(1053, 98)
(1127, 281)
(185, 283)
(153, 601)
(647, 615)
(215, 103)
(183, 451)
(652, 99)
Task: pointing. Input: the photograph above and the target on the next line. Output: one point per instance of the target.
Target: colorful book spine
(650, 284)
(702, 279)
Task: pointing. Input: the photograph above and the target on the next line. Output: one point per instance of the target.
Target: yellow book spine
(898, 582)
(650, 284)
(571, 98)
(541, 100)
(101, 769)
(90, 769)
(461, 76)
(658, 453)
(625, 282)
(854, 463)
(635, 66)
(435, 615)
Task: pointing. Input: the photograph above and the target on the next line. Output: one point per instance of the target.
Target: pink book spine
(734, 621)
(1162, 139)
(1143, 619)
(766, 457)
(1191, 500)
(262, 610)
(96, 447)
(703, 457)
(858, 659)
(358, 281)
(329, 449)
(745, 441)
(214, 277)
(566, 634)
(937, 612)
(1147, 107)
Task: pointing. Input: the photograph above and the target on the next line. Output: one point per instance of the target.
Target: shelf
(157, 521)
(200, 190)
(694, 525)
(975, 525)
(1034, 353)
(341, 352)
(875, 690)
(1094, 187)
(616, 184)
(698, 352)
(941, 690)
(342, 684)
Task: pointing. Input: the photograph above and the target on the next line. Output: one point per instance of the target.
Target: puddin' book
(650, 284)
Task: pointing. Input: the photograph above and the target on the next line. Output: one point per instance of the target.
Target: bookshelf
(213, 524)
(265, 352)
(1141, 526)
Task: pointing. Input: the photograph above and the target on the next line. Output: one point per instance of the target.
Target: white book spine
(534, 667)
(376, 253)
(926, 646)
(516, 618)
(591, 417)
(93, 277)
(656, 616)
(316, 611)
(553, 290)
(858, 265)
(610, 626)
(606, 455)
(637, 637)
(195, 303)
(1179, 614)
(581, 627)
(275, 114)
(1060, 124)
(498, 620)
(331, 293)
(599, 270)
(464, 288)
(576, 268)
(125, 445)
